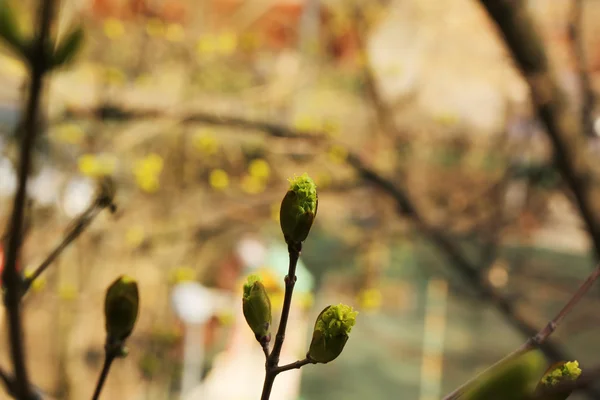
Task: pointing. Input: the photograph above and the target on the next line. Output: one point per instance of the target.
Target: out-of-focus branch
(578, 47)
(104, 199)
(540, 337)
(517, 28)
(29, 128)
(114, 112)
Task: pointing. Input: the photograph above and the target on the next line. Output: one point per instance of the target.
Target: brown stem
(79, 225)
(536, 340)
(294, 365)
(517, 28)
(578, 48)
(28, 131)
(294, 250)
(110, 357)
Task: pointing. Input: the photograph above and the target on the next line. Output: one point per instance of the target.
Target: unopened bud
(332, 330)
(257, 308)
(557, 374)
(121, 309)
(298, 209)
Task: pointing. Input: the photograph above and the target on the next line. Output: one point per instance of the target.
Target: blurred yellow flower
(68, 133)
(276, 299)
(134, 236)
(323, 180)
(182, 274)
(305, 300)
(114, 76)
(259, 168)
(219, 179)
(205, 142)
(155, 27)
(96, 165)
(38, 284)
(67, 292)
(275, 211)
(226, 318)
(253, 185)
(249, 41)
(227, 43)
(306, 123)
(206, 45)
(370, 299)
(113, 28)
(331, 128)
(337, 154)
(446, 118)
(143, 80)
(175, 33)
(147, 172)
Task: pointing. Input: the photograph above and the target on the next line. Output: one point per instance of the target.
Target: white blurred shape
(192, 302)
(251, 252)
(78, 196)
(44, 188)
(8, 178)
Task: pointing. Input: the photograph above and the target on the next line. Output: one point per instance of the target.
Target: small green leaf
(68, 47)
(10, 32)
(514, 379)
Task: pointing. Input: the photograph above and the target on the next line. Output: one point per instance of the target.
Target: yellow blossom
(259, 168)
(206, 45)
(219, 179)
(134, 236)
(69, 133)
(337, 154)
(370, 299)
(182, 274)
(38, 284)
(175, 33)
(113, 28)
(205, 142)
(227, 43)
(67, 292)
(253, 185)
(114, 76)
(306, 123)
(147, 172)
(155, 27)
(96, 165)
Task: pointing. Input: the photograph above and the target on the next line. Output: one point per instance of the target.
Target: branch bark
(516, 27)
(29, 130)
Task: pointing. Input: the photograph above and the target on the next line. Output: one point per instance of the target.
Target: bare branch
(538, 339)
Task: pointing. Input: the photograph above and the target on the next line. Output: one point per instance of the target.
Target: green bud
(557, 373)
(68, 47)
(121, 307)
(298, 209)
(10, 32)
(257, 308)
(331, 333)
(515, 379)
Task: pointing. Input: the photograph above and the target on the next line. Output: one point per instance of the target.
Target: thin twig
(535, 341)
(265, 349)
(295, 365)
(517, 28)
(76, 229)
(108, 360)
(28, 132)
(272, 363)
(578, 48)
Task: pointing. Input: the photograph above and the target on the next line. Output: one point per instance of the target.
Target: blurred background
(437, 195)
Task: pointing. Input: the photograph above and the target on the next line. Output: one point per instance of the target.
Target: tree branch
(295, 365)
(517, 28)
(272, 363)
(540, 337)
(12, 277)
(578, 48)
